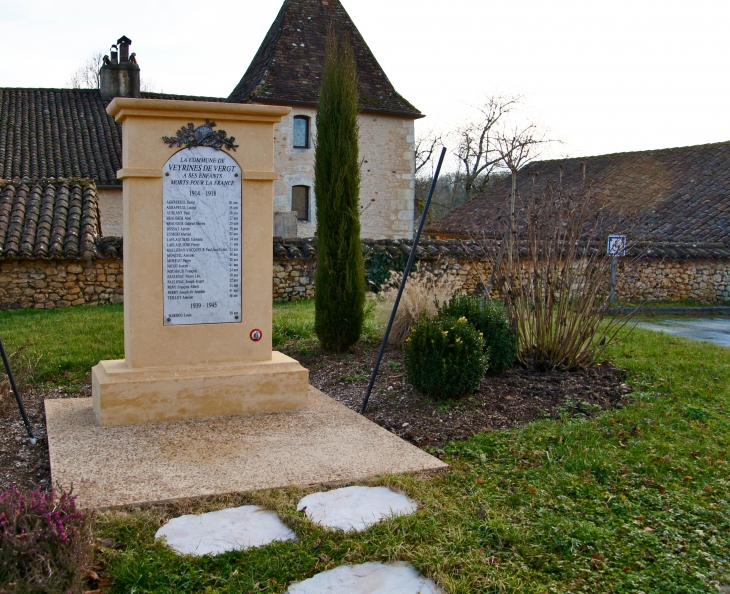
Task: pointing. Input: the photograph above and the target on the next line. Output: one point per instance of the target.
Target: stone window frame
(303, 215)
(308, 131)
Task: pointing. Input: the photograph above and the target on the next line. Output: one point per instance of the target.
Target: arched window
(301, 132)
(300, 202)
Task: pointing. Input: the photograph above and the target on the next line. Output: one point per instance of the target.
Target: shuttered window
(300, 202)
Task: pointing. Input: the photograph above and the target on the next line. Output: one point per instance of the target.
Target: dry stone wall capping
(47, 284)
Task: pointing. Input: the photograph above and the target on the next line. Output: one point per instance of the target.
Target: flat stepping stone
(368, 578)
(355, 508)
(225, 530)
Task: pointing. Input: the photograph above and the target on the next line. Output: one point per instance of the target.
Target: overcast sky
(603, 76)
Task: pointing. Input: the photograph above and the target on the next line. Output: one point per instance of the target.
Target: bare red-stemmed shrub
(553, 274)
(44, 543)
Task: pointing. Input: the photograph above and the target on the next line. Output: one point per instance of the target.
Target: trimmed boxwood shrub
(487, 316)
(445, 357)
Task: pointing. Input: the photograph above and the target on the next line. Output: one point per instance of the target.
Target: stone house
(66, 133)
(287, 70)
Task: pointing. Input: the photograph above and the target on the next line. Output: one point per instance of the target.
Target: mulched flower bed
(507, 400)
(21, 464)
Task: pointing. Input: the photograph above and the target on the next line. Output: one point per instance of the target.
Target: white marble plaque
(201, 222)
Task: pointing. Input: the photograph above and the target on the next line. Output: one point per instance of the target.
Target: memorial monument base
(325, 443)
(123, 395)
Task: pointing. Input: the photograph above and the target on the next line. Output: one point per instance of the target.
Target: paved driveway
(715, 330)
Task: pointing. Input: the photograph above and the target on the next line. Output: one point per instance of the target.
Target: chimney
(120, 75)
(124, 42)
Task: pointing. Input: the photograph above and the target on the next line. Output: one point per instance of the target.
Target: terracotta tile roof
(293, 249)
(62, 133)
(54, 219)
(682, 194)
(287, 68)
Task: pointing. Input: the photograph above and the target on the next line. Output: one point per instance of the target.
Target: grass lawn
(629, 500)
(60, 346)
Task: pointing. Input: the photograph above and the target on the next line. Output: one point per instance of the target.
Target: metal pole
(17, 394)
(402, 283)
(612, 297)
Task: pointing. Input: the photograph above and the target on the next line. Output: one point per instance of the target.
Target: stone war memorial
(197, 339)
(201, 404)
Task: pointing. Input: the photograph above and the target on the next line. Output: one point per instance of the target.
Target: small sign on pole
(615, 249)
(616, 246)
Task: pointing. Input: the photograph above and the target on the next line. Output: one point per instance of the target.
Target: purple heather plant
(44, 543)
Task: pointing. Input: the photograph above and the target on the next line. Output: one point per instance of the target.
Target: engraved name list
(201, 212)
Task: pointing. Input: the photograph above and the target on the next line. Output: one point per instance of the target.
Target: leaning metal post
(17, 394)
(402, 283)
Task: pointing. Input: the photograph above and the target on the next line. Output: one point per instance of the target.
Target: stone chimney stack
(120, 74)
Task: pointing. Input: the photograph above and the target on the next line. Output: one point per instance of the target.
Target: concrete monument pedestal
(325, 443)
(124, 395)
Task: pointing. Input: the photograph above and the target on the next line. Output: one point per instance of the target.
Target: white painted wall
(110, 207)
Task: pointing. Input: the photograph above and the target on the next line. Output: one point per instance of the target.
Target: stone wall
(293, 280)
(387, 187)
(707, 281)
(651, 280)
(44, 284)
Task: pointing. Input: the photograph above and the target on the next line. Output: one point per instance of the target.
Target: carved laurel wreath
(201, 136)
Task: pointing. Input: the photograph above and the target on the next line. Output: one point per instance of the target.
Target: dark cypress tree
(340, 281)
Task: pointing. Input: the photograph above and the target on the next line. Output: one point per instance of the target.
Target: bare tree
(516, 147)
(475, 144)
(425, 147)
(88, 77)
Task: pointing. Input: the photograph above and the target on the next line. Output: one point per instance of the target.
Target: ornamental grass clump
(419, 300)
(44, 543)
(445, 357)
(490, 318)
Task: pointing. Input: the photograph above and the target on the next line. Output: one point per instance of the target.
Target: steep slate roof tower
(287, 68)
